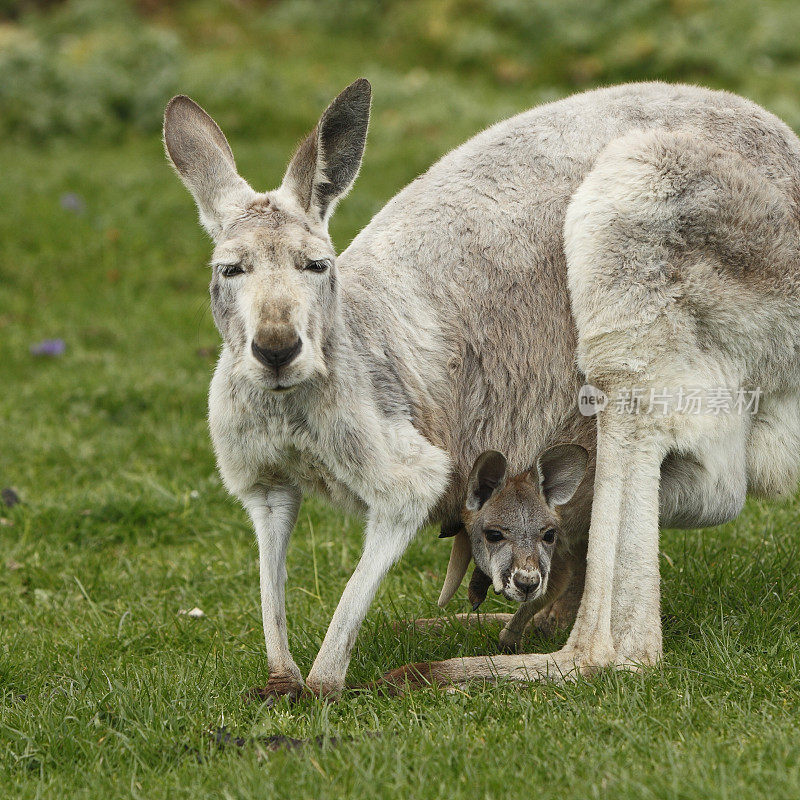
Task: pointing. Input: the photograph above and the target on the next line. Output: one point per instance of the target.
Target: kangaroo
(516, 534)
(639, 236)
(515, 530)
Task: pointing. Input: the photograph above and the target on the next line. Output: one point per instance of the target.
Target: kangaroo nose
(527, 581)
(277, 358)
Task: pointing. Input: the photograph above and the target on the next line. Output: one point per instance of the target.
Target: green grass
(105, 690)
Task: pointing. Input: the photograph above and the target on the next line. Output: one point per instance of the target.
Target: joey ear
(328, 160)
(203, 159)
(487, 476)
(560, 470)
(450, 528)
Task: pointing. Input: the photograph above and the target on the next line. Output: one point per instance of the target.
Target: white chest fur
(347, 453)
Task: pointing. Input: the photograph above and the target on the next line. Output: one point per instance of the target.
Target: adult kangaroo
(649, 230)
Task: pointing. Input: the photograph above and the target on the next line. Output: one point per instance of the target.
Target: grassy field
(106, 690)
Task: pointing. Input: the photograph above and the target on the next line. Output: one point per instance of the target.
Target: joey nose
(527, 581)
(276, 357)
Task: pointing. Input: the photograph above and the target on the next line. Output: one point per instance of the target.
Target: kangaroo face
(513, 536)
(513, 523)
(273, 289)
(274, 293)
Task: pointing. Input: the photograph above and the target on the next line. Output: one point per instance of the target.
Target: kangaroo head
(513, 524)
(274, 292)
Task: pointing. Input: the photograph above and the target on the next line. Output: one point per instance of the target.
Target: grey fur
(445, 328)
(328, 160)
(514, 524)
(526, 509)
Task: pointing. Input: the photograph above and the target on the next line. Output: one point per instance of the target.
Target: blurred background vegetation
(102, 69)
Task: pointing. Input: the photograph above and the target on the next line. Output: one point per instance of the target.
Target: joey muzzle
(527, 582)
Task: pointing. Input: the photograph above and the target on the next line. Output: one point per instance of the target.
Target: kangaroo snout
(276, 352)
(527, 582)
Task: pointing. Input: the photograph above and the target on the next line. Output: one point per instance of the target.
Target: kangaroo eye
(229, 270)
(317, 266)
(493, 536)
(549, 536)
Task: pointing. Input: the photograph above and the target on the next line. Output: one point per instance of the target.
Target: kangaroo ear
(327, 161)
(450, 528)
(560, 470)
(487, 476)
(203, 159)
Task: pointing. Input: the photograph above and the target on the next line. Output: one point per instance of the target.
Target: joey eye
(319, 265)
(549, 536)
(229, 270)
(493, 536)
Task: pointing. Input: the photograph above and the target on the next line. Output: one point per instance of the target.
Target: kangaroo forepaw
(555, 618)
(509, 641)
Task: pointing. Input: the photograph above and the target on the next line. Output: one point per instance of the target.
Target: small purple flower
(49, 347)
(72, 202)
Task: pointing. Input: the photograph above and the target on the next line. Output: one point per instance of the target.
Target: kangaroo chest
(286, 450)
